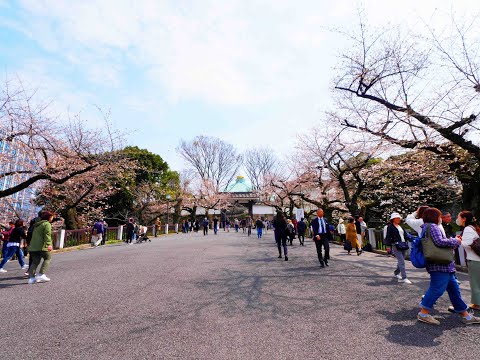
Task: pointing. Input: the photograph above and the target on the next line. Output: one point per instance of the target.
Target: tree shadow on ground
(416, 333)
(20, 280)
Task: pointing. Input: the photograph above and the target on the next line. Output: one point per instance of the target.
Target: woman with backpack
(397, 238)
(470, 234)
(442, 276)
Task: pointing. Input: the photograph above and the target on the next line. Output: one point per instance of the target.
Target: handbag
(402, 245)
(347, 245)
(434, 254)
(476, 246)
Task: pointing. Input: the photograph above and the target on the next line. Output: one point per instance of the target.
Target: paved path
(223, 297)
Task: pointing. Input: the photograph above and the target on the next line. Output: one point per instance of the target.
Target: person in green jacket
(41, 247)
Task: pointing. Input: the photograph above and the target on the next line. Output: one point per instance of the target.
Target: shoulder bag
(475, 246)
(434, 254)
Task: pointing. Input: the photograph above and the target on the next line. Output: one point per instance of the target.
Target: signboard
(299, 213)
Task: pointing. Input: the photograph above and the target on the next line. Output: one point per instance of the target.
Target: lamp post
(168, 197)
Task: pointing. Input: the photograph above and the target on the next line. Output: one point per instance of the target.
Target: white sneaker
(32, 280)
(405, 281)
(399, 277)
(2, 270)
(25, 267)
(42, 278)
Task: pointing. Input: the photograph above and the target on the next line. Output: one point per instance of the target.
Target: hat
(395, 215)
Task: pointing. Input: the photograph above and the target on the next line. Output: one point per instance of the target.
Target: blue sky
(251, 72)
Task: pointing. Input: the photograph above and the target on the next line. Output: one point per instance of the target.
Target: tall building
(13, 157)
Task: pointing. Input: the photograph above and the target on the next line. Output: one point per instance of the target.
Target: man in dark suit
(321, 237)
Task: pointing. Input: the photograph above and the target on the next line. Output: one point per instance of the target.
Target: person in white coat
(470, 233)
(341, 230)
(415, 221)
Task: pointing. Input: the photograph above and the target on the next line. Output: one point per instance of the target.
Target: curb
(459, 268)
(89, 245)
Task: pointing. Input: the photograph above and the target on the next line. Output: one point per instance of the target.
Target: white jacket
(469, 235)
(414, 223)
(341, 229)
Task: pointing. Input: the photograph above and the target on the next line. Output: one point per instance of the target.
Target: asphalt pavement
(224, 297)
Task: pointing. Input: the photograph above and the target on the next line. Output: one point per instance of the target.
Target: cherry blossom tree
(342, 161)
(55, 151)
(417, 91)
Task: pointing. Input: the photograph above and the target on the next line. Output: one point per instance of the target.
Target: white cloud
(227, 52)
(258, 53)
(221, 52)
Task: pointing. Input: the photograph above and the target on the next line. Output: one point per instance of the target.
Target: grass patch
(113, 241)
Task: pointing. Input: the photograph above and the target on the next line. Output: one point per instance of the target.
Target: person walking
(249, 224)
(130, 229)
(157, 226)
(236, 224)
(259, 225)
(227, 225)
(29, 236)
(351, 236)
(215, 225)
(41, 247)
(321, 236)
(358, 226)
(97, 233)
(5, 236)
(290, 231)
(280, 233)
(301, 229)
(471, 232)
(13, 245)
(341, 230)
(396, 237)
(205, 224)
(442, 276)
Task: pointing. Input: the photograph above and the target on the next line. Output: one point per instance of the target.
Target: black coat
(301, 227)
(280, 226)
(393, 235)
(18, 234)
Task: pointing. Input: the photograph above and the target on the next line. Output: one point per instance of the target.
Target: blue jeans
(439, 283)
(11, 250)
(259, 233)
(4, 249)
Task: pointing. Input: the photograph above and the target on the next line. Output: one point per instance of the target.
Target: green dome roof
(240, 186)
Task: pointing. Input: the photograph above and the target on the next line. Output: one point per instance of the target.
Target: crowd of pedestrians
(36, 239)
(432, 227)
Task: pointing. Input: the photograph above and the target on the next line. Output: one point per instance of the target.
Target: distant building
(13, 157)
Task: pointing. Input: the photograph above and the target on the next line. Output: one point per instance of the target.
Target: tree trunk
(71, 218)
(178, 211)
